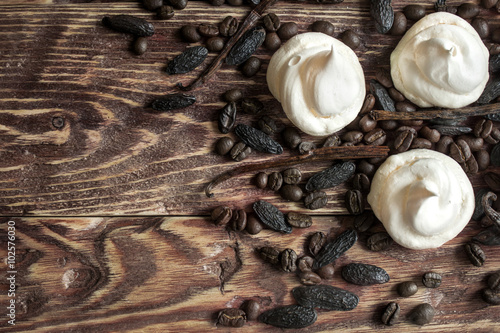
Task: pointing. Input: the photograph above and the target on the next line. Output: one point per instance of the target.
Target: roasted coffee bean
(271, 216)
(391, 314)
(231, 318)
(239, 220)
(165, 12)
(253, 226)
(430, 134)
(366, 167)
(140, 45)
(326, 272)
(422, 314)
(315, 200)
(399, 25)
(352, 136)
(468, 10)
(368, 104)
(299, 220)
(305, 147)
(396, 95)
(325, 27)
(251, 66)
(475, 254)
(228, 26)
(331, 177)
(309, 278)
(492, 179)
(383, 15)
(407, 289)
(460, 151)
(414, 12)
(152, 5)
(224, 145)
(388, 125)
(190, 33)
(452, 130)
(215, 44)
(493, 48)
(129, 24)
(367, 124)
(383, 77)
(364, 274)
(288, 260)
(354, 201)
(257, 140)
(217, 2)
(351, 39)
(481, 26)
(178, 4)
(325, 297)
(420, 143)
(332, 141)
(275, 181)
(252, 309)
(246, 46)
(261, 180)
(232, 95)
(305, 264)
(483, 128)
(290, 316)
(272, 42)
(173, 102)
(222, 215)
(270, 254)
(361, 182)
(235, 3)
(384, 101)
(492, 89)
(488, 3)
(494, 281)
(227, 118)
(291, 137)
(489, 236)
(491, 296)
(291, 192)
(432, 279)
(414, 122)
(405, 106)
(494, 136)
(271, 22)
(251, 105)
(470, 166)
(316, 242)
(375, 137)
(473, 142)
(187, 60)
(335, 248)
(443, 145)
(292, 176)
(379, 241)
(208, 30)
(287, 30)
(240, 151)
(495, 36)
(267, 125)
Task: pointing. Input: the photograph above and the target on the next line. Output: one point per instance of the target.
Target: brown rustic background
(111, 219)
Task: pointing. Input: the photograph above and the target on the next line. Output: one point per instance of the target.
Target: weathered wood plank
(174, 274)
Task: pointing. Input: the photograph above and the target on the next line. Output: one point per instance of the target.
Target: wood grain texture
(174, 274)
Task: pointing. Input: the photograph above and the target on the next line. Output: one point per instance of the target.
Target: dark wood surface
(112, 227)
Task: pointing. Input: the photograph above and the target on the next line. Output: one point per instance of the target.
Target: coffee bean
(474, 143)
(208, 30)
(305, 147)
(379, 241)
(227, 118)
(375, 137)
(178, 4)
(407, 289)
(460, 151)
(468, 10)
(232, 95)
(420, 143)
(140, 45)
(272, 42)
(235, 3)
(291, 137)
(495, 35)
(326, 272)
(261, 180)
(298, 220)
(494, 136)
(483, 128)
(315, 200)
(291, 192)
(271, 22)
(325, 27)
(367, 124)
(364, 221)
(251, 66)
(332, 141)
(470, 166)
(267, 125)
(414, 12)
(481, 26)
(422, 314)
(287, 30)
(239, 220)
(231, 318)
(405, 106)
(399, 25)
(493, 48)
(254, 226)
(251, 105)
(252, 309)
(368, 104)
(316, 242)
(396, 95)
(165, 12)
(432, 279)
(224, 145)
(351, 39)
(488, 3)
(228, 26)
(270, 254)
(391, 314)
(388, 125)
(383, 76)
(309, 278)
(152, 5)
(366, 167)
(430, 134)
(494, 281)
(443, 145)
(361, 182)
(240, 151)
(414, 122)
(222, 215)
(491, 296)
(275, 180)
(364, 274)
(355, 202)
(475, 254)
(288, 260)
(292, 176)
(305, 264)
(352, 136)
(215, 44)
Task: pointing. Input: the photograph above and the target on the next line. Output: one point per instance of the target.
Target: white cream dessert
(440, 61)
(319, 82)
(422, 197)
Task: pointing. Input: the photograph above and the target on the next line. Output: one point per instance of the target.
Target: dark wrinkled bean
(291, 137)
(271, 22)
(275, 181)
(489, 236)
(208, 30)
(290, 316)
(468, 10)
(420, 143)
(291, 192)
(473, 142)
(231, 318)
(287, 30)
(271, 216)
(315, 200)
(227, 118)
(261, 180)
(165, 12)
(215, 44)
(187, 60)
(443, 145)
(492, 89)
(405, 106)
(257, 140)
(305, 147)
(152, 5)
(251, 105)
(325, 297)
(379, 241)
(479, 208)
(323, 26)
(491, 296)
(366, 123)
(366, 168)
(351, 39)
(269, 254)
(383, 15)
(190, 33)
(253, 226)
(475, 254)
(399, 25)
(239, 220)
(173, 102)
(432, 280)
(140, 45)
(481, 26)
(383, 77)
(228, 26)
(361, 182)
(407, 289)
(246, 46)
(414, 12)
(316, 242)
(232, 95)
(352, 136)
(326, 272)
(364, 274)
(354, 202)
(292, 176)
(309, 278)
(384, 101)
(368, 104)
(288, 260)
(272, 42)
(331, 177)
(452, 130)
(129, 24)
(178, 4)
(422, 314)
(222, 215)
(492, 179)
(299, 220)
(364, 221)
(267, 125)
(252, 309)
(305, 264)
(391, 314)
(375, 137)
(240, 151)
(251, 66)
(224, 145)
(460, 151)
(335, 248)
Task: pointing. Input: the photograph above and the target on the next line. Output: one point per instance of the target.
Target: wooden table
(106, 197)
